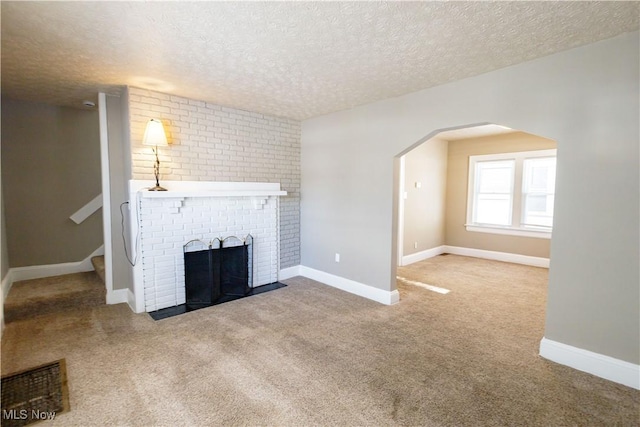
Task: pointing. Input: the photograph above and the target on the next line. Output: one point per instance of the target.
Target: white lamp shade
(154, 134)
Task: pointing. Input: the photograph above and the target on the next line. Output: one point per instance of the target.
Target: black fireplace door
(213, 273)
(200, 272)
(234, 270)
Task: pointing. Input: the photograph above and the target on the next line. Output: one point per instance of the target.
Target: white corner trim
(602, 366)
(39, 271)
(6, 287)
(118, 296)
(137, 299)
(105, 177)
(288, 273)
(87, 210)
(498, 256)
(422, 255)
(401, 200)
(131, 300)
(351, 286)
(7, 281)
(123, 296)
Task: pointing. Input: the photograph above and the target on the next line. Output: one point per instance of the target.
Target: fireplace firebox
(222, 270)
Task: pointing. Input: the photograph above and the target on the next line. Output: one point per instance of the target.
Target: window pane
(495, 177)
(540, 175)
(536, 203)
(538, 210)
(493, 198)
(538, 191)
(493, 209)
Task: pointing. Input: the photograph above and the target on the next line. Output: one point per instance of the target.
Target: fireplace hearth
(216, 272)
(164, 313)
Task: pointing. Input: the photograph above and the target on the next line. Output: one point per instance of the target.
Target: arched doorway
(481, 190)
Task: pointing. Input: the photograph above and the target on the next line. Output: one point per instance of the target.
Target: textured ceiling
(291, 59)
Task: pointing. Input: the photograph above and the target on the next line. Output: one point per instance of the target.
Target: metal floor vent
(35, 394)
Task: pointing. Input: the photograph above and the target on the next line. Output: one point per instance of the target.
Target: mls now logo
(14, 414)
(23, 414)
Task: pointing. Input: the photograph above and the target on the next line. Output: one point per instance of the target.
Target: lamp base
(157, 188)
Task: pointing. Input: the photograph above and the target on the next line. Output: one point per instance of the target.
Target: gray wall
(586, 99)
(4, 252)
(50, 169)
(209, 142)
(119, 175)
(458, 181)
(424, 207)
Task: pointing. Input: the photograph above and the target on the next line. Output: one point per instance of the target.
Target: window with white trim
(512, 193)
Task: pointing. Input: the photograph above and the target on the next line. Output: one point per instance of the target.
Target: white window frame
(515, 229)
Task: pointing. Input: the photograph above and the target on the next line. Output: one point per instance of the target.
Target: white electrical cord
(124, 240)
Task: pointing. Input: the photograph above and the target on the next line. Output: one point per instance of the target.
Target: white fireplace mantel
(210, 193)
(196, 210)
(207, 189)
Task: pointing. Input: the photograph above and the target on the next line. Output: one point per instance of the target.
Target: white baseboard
(131, 300)
(118, 296)
(422, 255)
(288, 273)
(6, 287)
(351, 286)
(7, 281)
(602, 366)
(498, 256)
(39, 271)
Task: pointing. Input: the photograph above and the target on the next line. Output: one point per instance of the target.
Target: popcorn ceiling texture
(288, 59)
(208, 142)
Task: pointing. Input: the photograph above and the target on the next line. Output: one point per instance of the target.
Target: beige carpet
(309, 354)
(53, 294)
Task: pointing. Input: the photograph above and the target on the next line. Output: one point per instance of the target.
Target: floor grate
(35, 394)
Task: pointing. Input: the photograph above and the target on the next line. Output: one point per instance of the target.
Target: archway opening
(485, 191)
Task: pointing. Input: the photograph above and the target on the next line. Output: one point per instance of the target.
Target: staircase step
(36, 297)
(98, 264)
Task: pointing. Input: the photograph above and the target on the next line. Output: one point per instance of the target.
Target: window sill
(521, 232)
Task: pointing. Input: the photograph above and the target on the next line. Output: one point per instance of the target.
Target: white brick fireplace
(163, 222)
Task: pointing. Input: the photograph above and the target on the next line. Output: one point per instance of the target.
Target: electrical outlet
(415, 245)
(337, 257)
